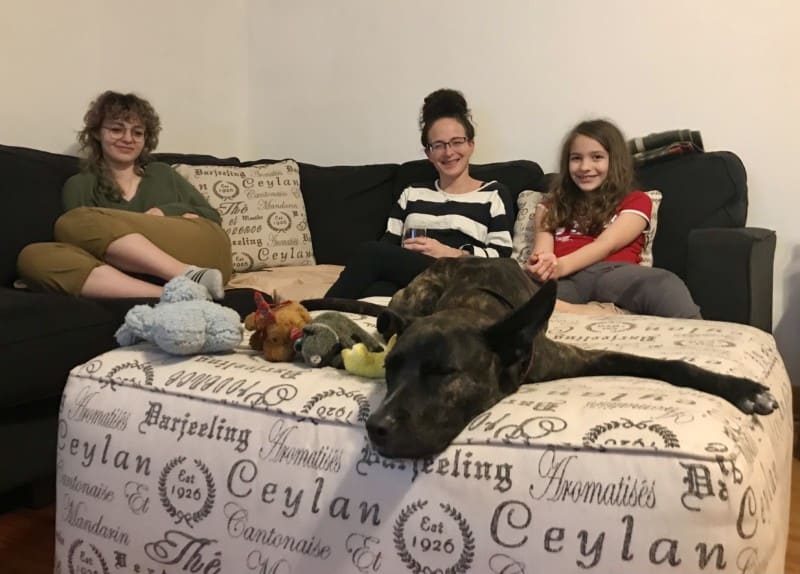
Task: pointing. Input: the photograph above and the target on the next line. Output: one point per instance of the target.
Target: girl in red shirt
(590, 230)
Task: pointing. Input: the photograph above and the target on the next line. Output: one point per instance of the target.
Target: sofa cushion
(43, 337)
(524, 227)
(346, 206)
(699, 191)
(262, 211)
(196, 159)
(650, 232)
(30, 186)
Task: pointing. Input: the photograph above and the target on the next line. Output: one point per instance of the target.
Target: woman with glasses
(127, 219)
(454, 216)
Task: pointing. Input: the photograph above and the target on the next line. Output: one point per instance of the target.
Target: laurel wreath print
(670, 438)
(363, 404)
(467, 553)
(97, 553)
(145, 368)
(190, 518)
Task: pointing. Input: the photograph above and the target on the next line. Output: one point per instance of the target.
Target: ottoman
(230, 464)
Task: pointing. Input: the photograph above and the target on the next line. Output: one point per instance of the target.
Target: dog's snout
(379, 430)
(383, 428)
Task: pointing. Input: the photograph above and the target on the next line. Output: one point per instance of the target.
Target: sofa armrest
(729, 273)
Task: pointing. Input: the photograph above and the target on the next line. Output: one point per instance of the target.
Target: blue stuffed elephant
(184, 322)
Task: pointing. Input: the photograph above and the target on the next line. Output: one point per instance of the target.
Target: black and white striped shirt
(476, 221)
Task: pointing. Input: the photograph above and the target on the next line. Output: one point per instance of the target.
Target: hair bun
(444, 103)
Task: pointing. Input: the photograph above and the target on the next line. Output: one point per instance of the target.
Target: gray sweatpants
(641, 290)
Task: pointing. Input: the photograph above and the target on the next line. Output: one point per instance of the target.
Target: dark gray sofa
(702, 236)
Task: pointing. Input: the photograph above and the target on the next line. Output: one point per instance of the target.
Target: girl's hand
(543, 266)
(188, 215)
(154, 211)
(431, 247)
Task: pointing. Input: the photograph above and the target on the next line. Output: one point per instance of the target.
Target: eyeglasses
(455, 143)
(118, 132)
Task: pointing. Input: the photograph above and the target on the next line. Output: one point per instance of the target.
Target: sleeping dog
(471, 331)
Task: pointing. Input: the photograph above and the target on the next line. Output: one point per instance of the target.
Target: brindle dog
(471, 331)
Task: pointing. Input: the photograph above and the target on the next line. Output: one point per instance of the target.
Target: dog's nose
(378, 430)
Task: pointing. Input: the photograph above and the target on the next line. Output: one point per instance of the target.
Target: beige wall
(186, 56)
(341, 82)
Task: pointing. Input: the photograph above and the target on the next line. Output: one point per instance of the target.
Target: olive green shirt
(161, 187)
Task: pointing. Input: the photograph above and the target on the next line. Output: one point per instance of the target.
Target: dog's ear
(390, 323)
(512, 336)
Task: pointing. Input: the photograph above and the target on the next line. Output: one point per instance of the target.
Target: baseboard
(796, 416)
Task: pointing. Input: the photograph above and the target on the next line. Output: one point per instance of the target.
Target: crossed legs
(98, 249)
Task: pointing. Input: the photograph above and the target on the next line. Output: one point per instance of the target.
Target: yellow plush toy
(359, 361)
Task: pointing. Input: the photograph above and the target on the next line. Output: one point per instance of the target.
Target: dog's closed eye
(437, 370)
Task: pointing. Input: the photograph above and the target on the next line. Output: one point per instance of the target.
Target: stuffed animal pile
(187, 322)
(285, 331)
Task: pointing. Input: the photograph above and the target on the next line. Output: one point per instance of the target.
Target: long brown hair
(590, 212)
(116, 106)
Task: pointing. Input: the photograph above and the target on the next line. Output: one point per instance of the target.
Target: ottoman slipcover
(228, 463)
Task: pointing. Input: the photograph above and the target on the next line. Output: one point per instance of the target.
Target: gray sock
(211, 279)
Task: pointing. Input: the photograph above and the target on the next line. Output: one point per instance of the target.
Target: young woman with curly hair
(590, 230)
(127, 218)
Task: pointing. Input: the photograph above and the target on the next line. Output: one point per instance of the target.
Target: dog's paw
(757, 400)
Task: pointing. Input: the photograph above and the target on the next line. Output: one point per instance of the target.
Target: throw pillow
(262, 211)
(524, 228)
(650, 232)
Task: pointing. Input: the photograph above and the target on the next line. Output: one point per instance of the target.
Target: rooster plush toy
(276, 327)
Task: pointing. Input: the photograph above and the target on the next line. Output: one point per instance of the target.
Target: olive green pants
(83, 234)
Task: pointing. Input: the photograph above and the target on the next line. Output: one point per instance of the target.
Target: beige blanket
(294, 283)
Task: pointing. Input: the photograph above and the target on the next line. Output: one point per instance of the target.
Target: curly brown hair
(590, 212)
(116, 106)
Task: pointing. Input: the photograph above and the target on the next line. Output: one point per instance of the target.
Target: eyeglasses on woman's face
(119, 131)
(455, 144)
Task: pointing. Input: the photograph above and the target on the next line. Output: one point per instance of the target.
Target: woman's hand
(154, 211)
(543, 266)
(431, 247)
(188, 215)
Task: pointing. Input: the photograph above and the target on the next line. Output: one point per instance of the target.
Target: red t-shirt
(570, 240)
